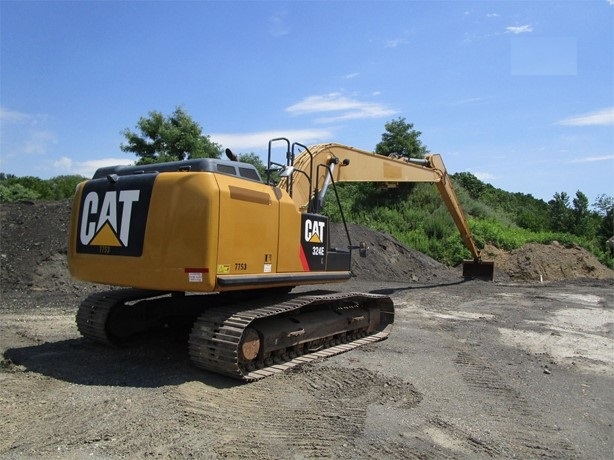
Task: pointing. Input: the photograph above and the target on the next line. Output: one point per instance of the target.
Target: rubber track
(216, 335)
(94, 311)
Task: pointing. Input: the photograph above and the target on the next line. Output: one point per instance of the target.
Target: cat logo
(113, 218)
(313, 242)
(107, 223)
(314, 231)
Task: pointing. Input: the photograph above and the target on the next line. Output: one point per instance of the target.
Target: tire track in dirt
(534, 438)
(458, 441)
(71, 421)
(312, 412)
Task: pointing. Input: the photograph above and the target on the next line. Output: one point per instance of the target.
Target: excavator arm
(309, 174)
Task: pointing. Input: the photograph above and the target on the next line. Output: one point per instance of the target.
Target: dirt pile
(33, 245)
(388, 259)
(552, 262)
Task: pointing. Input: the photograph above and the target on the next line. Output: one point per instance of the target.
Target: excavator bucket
(478, 269)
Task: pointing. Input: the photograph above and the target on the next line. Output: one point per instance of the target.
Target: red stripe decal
(303, 259)
(196, 270)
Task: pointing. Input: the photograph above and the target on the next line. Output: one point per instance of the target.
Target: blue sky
(519, 93)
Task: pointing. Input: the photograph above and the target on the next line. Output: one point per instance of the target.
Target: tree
(402, 139)
(605, 209)
(560, 214)
(606, 228)
(255, 160)
(474, 186)
(581, 216)
(64, 186)
(604, 204)
(172, 138)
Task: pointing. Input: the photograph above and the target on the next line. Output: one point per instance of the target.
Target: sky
(518, 93)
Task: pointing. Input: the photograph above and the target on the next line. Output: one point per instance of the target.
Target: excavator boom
(325, 163)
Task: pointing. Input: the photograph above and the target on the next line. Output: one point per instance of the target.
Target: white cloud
(593, 159)
(39, 142)
(603, 117)
(468, 101)
(322, 103)
(484, 176)
(351, 109)
(87, 168)
(278, 25)
(492, 15)
(519, 29)
(27, 134)
(64, 164)
(260, 140)
(351, 75)
(395, 42)
(365, 111)
(7, 115)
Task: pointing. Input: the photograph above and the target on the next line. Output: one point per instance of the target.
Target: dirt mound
(552, 262)
(388, 259)
(33, 246)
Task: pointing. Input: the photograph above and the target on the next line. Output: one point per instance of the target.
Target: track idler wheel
(250, 345)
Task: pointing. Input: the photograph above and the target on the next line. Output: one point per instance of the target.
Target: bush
(16, 192)
(32, 188)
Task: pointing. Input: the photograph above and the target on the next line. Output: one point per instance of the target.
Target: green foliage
(255, 160)
(401, 139)
(13, 188)
(506, 237)
(474, 186)
(40, 187)
(64, 186)
(16, 192)
(604, 204)
(522, 209)
(560, 212)
(506, 220)
(173, 138)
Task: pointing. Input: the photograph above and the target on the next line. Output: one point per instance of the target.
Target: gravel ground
(514, 368)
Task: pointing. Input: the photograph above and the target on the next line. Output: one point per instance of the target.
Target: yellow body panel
(180, 244)
(289, 232)
(248, 227)
(259, 229)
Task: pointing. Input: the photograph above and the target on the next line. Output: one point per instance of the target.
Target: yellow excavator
(211, 241)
